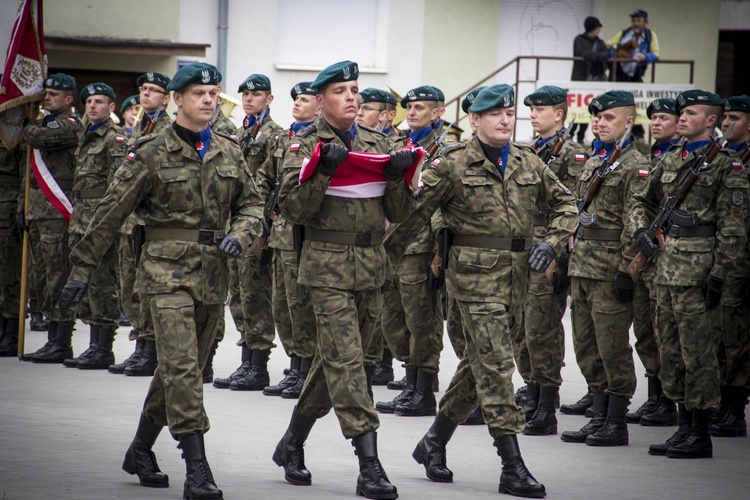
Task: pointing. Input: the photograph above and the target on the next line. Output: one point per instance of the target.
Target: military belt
(512, 244)
(598, 234)
(692, 231)
(81, 194)
(344, 238)
(204, 236)
(9, 180)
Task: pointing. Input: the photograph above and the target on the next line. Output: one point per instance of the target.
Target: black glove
(623, 287)
(561, 279)
(645, 244)
(331, 156)
(712, 289)
(20, 224)
(540, 256)
(745, 291)
(400, 161)
(72, 293)
(230, 246)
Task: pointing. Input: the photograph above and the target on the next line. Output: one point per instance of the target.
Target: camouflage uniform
(11, 167)
(176, 193)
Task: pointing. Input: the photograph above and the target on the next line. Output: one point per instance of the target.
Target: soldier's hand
(400, 161)
(72, 293)
(541, 256)
(713, 287)
(20, 224)
(331, 156)
(623, 287)
(645, 244)
(230, 246)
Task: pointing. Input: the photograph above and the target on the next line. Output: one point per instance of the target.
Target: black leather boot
(146, 364)
(475, 417)
(257, 378)
(664, 415)
(683, 431)
(580, 406)
(422, 402)
(199, 482)
(289, 380)
(614, 432)
(718, 415)
(372, 481)
(654, 391)
(102, 356)
(406, 394)
(397, 385)
(93, 339)
(430, 450)
(37, 323)
(9, 341)
(543, 422)
(131, 360)
(698, 443)
(61, 349)
(51, 333)
(369, 372)
(290, 453)
(384, 371)
(294, 391)
(223, 383)
(601, 401)
(733, 423)
(516, 479)
(208, 368)
(520, 395)
(531, 401)
(140, 460)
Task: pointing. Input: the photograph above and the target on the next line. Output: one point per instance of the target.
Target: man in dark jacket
(593, 68)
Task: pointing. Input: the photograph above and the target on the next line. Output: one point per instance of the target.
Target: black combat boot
(289, 379)
(406, 394)
(430, 450)
(223, 383)
(543, 422)
(102, 356)
(384, 371)
(372, 481)
(131, 360)
(422, 402)
(140, 460)
(9, 341)
(601, 401)
(397, 385)
(654, 391)
(208, 368)
(257, 378)
(664, 415)
(475, 417)
(199, 482)
(295, 390)
(146, 364)
(516, 479)
(369, 372)
(718, 415)
(290, 452)
(531, 400)
(685, 420)
(37, 323)
(51, 334)
(93, 339)
(614, 432)
(733, 424)
(61, 349)
(580, 406)
(698, 443)
(520, 395)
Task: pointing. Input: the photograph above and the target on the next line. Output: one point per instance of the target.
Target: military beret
(469, 99)
(592, 106)
(696, 96)
(97, 88)
(154, 78)
(375, 95)
(133, 100)
(737, 103)
(441, 96)
(60, 81)
(663, 105)
(344, 71)
(496, 96)
(198, 73)
(303, 88)
(548, 95)
(423, 93)
(612, 99)
(255, 82)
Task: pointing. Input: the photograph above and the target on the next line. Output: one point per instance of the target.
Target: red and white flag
(49, 186)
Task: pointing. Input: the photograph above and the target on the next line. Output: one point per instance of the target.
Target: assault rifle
(247, 143)
(554, 152)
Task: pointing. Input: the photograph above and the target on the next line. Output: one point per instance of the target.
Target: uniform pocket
(174, 323)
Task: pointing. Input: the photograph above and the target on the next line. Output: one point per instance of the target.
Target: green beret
(612, 99)
(133, 100)
(97, 88)
(344, 71)
(592, 106)
(376, 95)
(60, 81)
(198, 73)
(441, 96)
(255, 82)
(696, 96)
(303, 88)
(548, 95)
(469, 99)
(737, 103)
(494, 97)
(154, 78)
(423, 93)
(663, 105)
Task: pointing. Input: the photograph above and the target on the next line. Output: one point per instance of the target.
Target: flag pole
(25, 248)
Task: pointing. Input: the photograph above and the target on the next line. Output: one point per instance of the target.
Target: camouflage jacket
(719, 199)
(266, 178)
(224, 126)
(168, 186)
(99, 154)
(57, 141)
(256, 149)
(11, 178)
(323, 264)
(600, 259)
(477, 200)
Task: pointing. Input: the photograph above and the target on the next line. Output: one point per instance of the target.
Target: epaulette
(143, 140)
(452, 147)
(230, 137)
(526, 147)
(310, 129)
(372, 130)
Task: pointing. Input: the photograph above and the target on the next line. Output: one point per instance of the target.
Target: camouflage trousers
(135, 305)
(644, 308)
(601, 337)
(292, 307)
(484, 374)
(184, 330)
(250, 301)
(10, 263)
(455, 329)
(346, 321)
(100, 305)
(734, 348)
(521, 350)
(412, 315)
(49, 253)
(688, 335)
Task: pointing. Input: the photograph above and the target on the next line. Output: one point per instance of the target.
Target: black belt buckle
(362, 239)
(76, 193)
(518, 244)
(579, 233)
(205, 236)
(674, 231)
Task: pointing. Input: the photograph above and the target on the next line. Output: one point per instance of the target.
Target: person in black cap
(639, 43)
(593, 68)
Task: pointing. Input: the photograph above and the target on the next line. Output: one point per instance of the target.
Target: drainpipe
(221, 57)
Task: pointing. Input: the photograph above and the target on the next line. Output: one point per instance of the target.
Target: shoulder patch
(310, 129)
(120, 139)
(372, 130)
(524, 147)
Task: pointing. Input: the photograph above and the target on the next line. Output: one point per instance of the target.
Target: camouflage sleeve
(300, 202)
(558, 202)
(647, 202)
(247, 207)
(61, 133)
(635, 179)
(116, 143)
(732, 206)
(265, 178)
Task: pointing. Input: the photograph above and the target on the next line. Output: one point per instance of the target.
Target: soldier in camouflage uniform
(129, 111)
(56, 138)
(343, 263)
(692, 268)
(11, 235)
(486, 189)
(188, 185)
